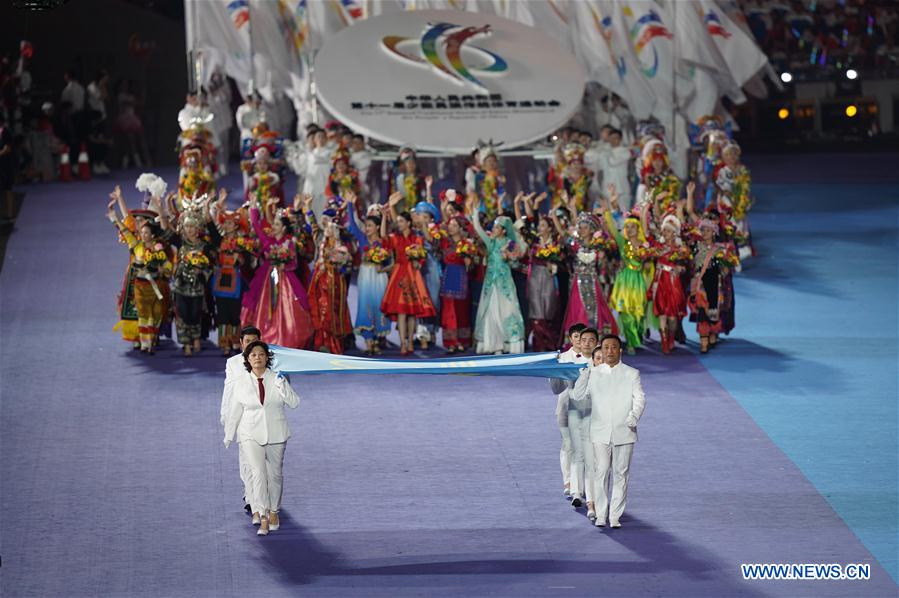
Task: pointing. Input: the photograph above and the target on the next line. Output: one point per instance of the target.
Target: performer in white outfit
(248, 115)
(615, 162)
(220, 106)
(561, 389)
(617, 399)
(582, 467)
(318, 168)
(234, 369)
(256, 418)
(361, 159)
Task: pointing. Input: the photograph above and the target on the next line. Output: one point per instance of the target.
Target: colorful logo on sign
(645, 29)
(443, 48)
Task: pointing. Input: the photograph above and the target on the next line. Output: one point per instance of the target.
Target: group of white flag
(665, 58)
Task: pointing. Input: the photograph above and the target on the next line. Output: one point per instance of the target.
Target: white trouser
(244, 475)
(265, 464)
(617, 460)
(582, 467)
(565, 455)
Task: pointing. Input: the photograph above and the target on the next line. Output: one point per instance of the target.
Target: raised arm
(257, 226)
(352, 223)
(476, 222)
(516, 204)
(581, 390)
(691, 199)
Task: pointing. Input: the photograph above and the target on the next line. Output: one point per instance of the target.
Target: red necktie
(261, 391)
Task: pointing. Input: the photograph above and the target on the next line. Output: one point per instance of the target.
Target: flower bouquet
(466, 248)
(600, 242)
(436, 233)
(376, 255)
(279, 255)
(416, 253)
(197, 259)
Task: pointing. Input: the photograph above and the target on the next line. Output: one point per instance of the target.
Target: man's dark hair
(592, 331)
(615, 132)
(250, 331)
(576, 328)
(249, 349)
(607, 336)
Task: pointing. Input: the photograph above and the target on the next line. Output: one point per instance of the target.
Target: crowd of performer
(614, 240)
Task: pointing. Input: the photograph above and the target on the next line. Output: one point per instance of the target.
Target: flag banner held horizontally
(536, 365)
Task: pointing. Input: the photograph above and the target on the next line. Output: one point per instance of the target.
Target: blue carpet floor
(814, 361)
(114, 480)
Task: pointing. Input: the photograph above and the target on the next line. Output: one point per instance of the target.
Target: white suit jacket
(562, 388)
(616, 394)
(234, 367)
(251, 420)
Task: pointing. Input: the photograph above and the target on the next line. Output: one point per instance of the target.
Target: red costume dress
(668, 297)
(328, 297)
(406, 291)
(455, 297)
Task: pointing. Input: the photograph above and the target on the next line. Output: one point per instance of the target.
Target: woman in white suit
(256, 416)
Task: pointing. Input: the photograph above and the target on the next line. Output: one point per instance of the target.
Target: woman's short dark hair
(249, 349)
(576, 328)
(406, 216)
(595, 349)
(374, 219)
(605, 336)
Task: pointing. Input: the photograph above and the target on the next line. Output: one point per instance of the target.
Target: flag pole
(674, 83)
(252, 46)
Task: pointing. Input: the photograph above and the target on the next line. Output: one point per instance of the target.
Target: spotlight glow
(851, 110)
(783, 114)
(786, 77)
(852, 74)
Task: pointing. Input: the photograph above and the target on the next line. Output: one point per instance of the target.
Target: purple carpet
(115, 481)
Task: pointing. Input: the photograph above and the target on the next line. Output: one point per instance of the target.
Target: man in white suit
(582, 466)
(617, 405)
(561, 388)
(234, 367)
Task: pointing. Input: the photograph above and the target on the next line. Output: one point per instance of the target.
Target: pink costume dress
(276, 302)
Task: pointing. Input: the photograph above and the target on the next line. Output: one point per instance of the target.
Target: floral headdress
(236, 216)
(573, 152)
(340, 155)
(193, 211)
(152, 184)
(587, 218)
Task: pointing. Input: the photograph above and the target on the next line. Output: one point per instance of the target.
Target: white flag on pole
(603, 52)
(743, 57)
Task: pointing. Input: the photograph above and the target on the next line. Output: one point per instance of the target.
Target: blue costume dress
(371, 323)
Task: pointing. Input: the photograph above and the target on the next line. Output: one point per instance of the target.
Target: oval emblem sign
(443, 80)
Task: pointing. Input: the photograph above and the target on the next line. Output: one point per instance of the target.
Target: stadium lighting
(852, 74)
(786, 77)
(783, 114)
(851, 110)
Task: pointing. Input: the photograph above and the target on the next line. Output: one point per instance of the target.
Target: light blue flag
(537, 365)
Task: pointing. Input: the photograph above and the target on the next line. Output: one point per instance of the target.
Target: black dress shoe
(248, 508)
(576, 502)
